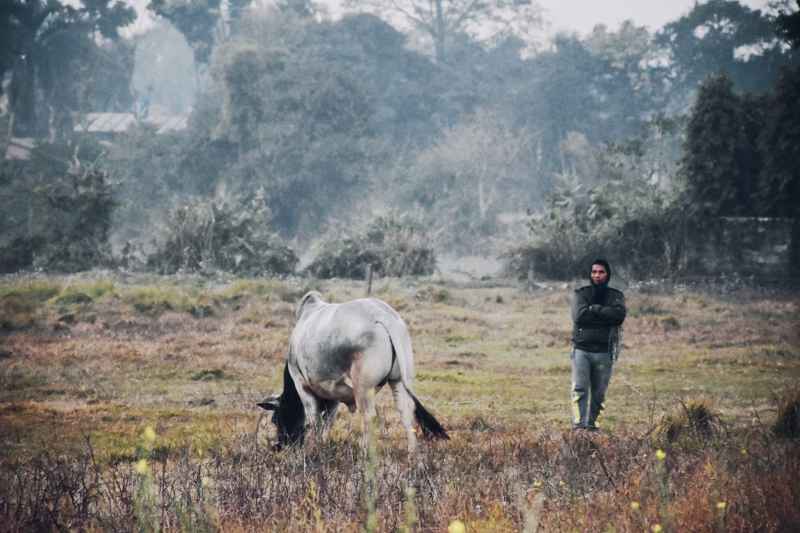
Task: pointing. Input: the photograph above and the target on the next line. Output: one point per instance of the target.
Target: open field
(88, 363)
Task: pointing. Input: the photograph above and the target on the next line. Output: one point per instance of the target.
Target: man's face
(599, 274)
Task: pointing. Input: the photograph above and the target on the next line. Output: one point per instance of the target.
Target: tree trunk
(440, 32)
(794, 246)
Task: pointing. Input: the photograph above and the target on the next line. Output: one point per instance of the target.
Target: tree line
(308, 129)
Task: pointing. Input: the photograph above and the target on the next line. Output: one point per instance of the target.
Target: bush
(638, 228)
(695, 422)
(787, 423)
(55, 218)
(222, 234)
(393, 245)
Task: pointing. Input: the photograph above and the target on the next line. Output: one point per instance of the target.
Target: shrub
(394, 245)
(55, 219)
(639, 228)
(227, 234)
(695, 420)
(787, 423)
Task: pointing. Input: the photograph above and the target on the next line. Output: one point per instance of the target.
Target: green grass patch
(21, 302)
(35, 291)
(249, 288)
(215, 374)
(157, 300)
(84, 292)
(17, 382)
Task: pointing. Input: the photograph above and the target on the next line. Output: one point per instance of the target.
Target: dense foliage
(471, 130)
(56, 216)
(391, 245)
(227, 234)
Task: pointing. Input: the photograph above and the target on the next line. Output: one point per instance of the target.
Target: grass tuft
(209, 375)
(787, 423)
(693, 420)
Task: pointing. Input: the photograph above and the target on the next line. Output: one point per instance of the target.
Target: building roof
(120, 122)
(106, 122)
(19, 148)
(167, 123)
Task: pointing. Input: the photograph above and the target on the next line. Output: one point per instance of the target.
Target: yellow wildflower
(142, 466)
(456, 526)
(149, 434)
(656, 528)
(660, 455)
(635, 506)
(722, 505)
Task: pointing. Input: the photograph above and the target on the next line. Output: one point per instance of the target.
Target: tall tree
(788, 24)
(298, 116)
(443, 20)
(50, 44)
(722, 35)
(572, 88)
(195, 19)
(465, 180)
(718, 163)
(780, 145)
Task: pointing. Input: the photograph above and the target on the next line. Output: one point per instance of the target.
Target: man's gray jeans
(591, 373)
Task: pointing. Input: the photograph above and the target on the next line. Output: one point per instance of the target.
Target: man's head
(601, 272)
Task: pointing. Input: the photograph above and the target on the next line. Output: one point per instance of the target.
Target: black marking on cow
(290, 417)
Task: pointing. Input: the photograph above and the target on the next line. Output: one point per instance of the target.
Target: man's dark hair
(604, 264)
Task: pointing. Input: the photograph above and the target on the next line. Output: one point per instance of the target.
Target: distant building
(166, 123)
(105, 127)
(108, 125)
(19, 148)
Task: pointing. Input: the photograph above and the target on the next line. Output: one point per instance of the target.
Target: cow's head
(289, 416)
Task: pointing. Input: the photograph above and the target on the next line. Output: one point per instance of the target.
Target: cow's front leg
(312, 409)
(328, 409)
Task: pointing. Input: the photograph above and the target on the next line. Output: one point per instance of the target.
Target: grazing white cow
(342, 353)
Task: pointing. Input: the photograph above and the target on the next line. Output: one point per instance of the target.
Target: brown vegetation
(130, 404)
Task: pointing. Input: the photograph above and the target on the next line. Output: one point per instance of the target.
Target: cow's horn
(270, 404)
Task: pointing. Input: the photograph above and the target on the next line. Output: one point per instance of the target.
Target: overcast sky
(573, 15)
(583, 15)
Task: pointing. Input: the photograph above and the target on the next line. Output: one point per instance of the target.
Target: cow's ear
(271, 404)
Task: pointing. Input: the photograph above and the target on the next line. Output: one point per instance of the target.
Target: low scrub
(492, 481)
(633, 227)
(55, 220)
(225, 234)
(694, 421)
(787, 423)
(393, 245)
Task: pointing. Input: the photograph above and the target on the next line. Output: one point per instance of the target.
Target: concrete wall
(741, 245)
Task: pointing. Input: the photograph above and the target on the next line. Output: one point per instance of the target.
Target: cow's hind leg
(405, 406)
(364, 393)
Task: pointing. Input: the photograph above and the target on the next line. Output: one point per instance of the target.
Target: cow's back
(326, 340)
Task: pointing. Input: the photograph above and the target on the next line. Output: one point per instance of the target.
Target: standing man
(597, 315)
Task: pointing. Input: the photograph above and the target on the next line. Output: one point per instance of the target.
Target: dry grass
(93, 361)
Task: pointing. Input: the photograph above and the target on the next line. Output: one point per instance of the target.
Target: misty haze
(177, 174)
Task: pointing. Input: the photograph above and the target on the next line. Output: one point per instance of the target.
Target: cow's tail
(431, 428)
(404, 355)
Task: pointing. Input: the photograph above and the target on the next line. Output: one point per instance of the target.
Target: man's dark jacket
(595, 324)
